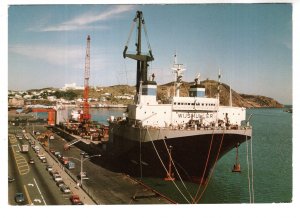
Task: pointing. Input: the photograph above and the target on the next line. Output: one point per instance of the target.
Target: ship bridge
(196, 103)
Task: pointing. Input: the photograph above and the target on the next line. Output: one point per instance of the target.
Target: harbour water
(272, 164)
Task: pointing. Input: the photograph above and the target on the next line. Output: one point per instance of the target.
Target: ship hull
(145, 152)
(142, 152)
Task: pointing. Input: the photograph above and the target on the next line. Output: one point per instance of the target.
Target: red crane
(86, 116)
(51, 114)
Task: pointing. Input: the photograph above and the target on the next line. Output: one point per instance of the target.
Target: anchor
(237, 166)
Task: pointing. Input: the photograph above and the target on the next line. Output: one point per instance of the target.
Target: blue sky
(250, 43)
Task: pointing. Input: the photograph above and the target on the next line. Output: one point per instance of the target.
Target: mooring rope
(249, 182)
(213, 168)
(141, 169)
(177, 170)
(251, 155)
(165, 166)
(208, 155)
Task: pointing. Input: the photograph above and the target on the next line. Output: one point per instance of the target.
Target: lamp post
(82, 159)
(48, 143)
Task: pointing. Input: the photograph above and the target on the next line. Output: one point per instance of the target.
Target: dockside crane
(86, 116)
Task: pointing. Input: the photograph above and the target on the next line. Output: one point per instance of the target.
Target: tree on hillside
(69, 95)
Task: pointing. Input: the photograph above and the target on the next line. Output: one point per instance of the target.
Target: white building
(71, 86)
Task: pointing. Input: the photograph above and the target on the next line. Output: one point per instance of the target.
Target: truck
(24, 148)
(70, 165)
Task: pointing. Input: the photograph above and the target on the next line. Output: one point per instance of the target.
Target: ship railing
(231, 127)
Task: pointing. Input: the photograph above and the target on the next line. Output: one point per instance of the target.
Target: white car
(65, 189)
(57, 178)
(41, 157)
(49, 168)
(60, 183)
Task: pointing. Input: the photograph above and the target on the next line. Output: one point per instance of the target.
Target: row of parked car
(64, 188)
(64, 160)
(75, 200)
(55, 175)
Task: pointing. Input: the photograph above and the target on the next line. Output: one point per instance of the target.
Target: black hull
(151, 159)
(190, 155)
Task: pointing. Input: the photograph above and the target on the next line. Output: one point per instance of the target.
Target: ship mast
(219, 83)
(230, 96)
(178, 70)
(142, 60)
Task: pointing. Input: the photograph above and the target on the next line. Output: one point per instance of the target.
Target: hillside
(211, 86)
(167, 90)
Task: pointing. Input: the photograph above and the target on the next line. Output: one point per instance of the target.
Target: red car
(75, 200)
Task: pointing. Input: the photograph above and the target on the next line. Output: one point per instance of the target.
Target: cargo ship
(181, 139)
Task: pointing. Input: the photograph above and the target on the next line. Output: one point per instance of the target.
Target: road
(32, 180)
(102, 187)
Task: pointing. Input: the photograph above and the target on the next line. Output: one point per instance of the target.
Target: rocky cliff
(211, 86)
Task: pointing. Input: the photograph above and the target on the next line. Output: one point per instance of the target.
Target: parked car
(75, 200)
(36, 149)
(31, 161)
(60, 183)
(41, 157)
(44, 160)
(19, 197)
(65, 189)
(57, 178)
(10, 179)
(52, 173)
(49, 168)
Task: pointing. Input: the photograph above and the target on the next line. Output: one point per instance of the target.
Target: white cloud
(83, 21)
(71, 57)
(56, 55)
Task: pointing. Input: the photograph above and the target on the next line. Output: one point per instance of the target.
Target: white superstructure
(197, 109)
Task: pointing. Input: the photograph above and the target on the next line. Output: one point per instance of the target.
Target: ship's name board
(194, 115)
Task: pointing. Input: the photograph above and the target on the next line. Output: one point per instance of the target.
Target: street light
(81, 163)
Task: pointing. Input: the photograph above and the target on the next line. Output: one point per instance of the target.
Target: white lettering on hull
(194, 115)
